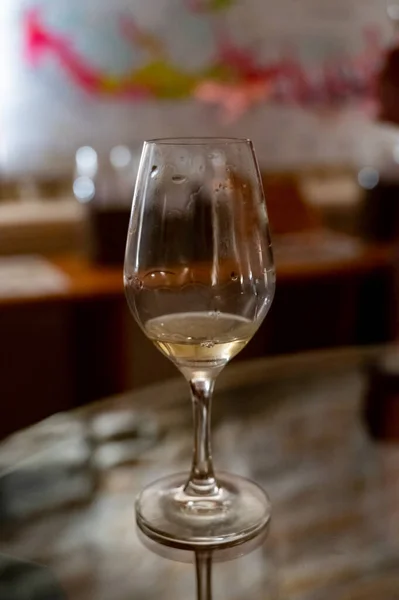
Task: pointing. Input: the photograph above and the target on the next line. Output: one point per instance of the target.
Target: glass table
(293, 424)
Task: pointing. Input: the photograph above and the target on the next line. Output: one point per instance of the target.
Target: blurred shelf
(68, 337)
(299, 257)
(40, 226)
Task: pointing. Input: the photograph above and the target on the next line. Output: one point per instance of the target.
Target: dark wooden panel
(35, 368)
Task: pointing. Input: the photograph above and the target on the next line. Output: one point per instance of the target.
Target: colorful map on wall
(294, 75)
(198, 53)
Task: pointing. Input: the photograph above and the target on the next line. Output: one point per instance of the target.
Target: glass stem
(202, 480)
(203, 571)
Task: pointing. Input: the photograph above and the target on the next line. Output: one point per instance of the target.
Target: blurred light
(120, 157)
(84, 189)
(395, 153)
(86, 161)
(368, 178)
(393, 11)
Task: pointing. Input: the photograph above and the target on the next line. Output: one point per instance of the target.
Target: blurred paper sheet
(310, 247)
(30, 276)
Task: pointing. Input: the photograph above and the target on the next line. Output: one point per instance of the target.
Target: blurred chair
(332, 282)
(287, 208)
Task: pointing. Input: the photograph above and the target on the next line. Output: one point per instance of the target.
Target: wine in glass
(199, 279)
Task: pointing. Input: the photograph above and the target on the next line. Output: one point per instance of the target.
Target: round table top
(294, 425)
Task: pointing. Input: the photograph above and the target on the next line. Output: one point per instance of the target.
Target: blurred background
(84, 82)
(313, 415)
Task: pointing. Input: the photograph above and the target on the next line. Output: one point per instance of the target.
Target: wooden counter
(87, 281)
(74, 345)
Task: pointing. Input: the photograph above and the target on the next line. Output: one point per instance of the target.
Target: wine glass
(199, 279)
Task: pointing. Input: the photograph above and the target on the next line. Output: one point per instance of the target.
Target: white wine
(200, 339)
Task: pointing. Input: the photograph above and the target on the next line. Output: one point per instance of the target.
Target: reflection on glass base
(167, 514)
(179, 552)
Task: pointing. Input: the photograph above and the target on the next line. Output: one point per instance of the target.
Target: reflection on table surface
(295, 425)
(256, 574)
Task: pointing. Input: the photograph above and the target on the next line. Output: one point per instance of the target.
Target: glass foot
(238, 511)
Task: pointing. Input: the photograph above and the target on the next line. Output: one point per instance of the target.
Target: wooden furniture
(90, 281)
(60, 350)
(67, 348)
(43, 226)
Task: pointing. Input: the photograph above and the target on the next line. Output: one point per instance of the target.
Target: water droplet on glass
(233, 276)
(224, 245)
(137, 283)
(154, 171)
(207, 344)
(214, 314)
(179, 179)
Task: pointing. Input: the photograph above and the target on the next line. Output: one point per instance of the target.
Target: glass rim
(197, 141)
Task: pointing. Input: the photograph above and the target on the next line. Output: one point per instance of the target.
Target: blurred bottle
(380, 218)
(381, 180)
(105, 185)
